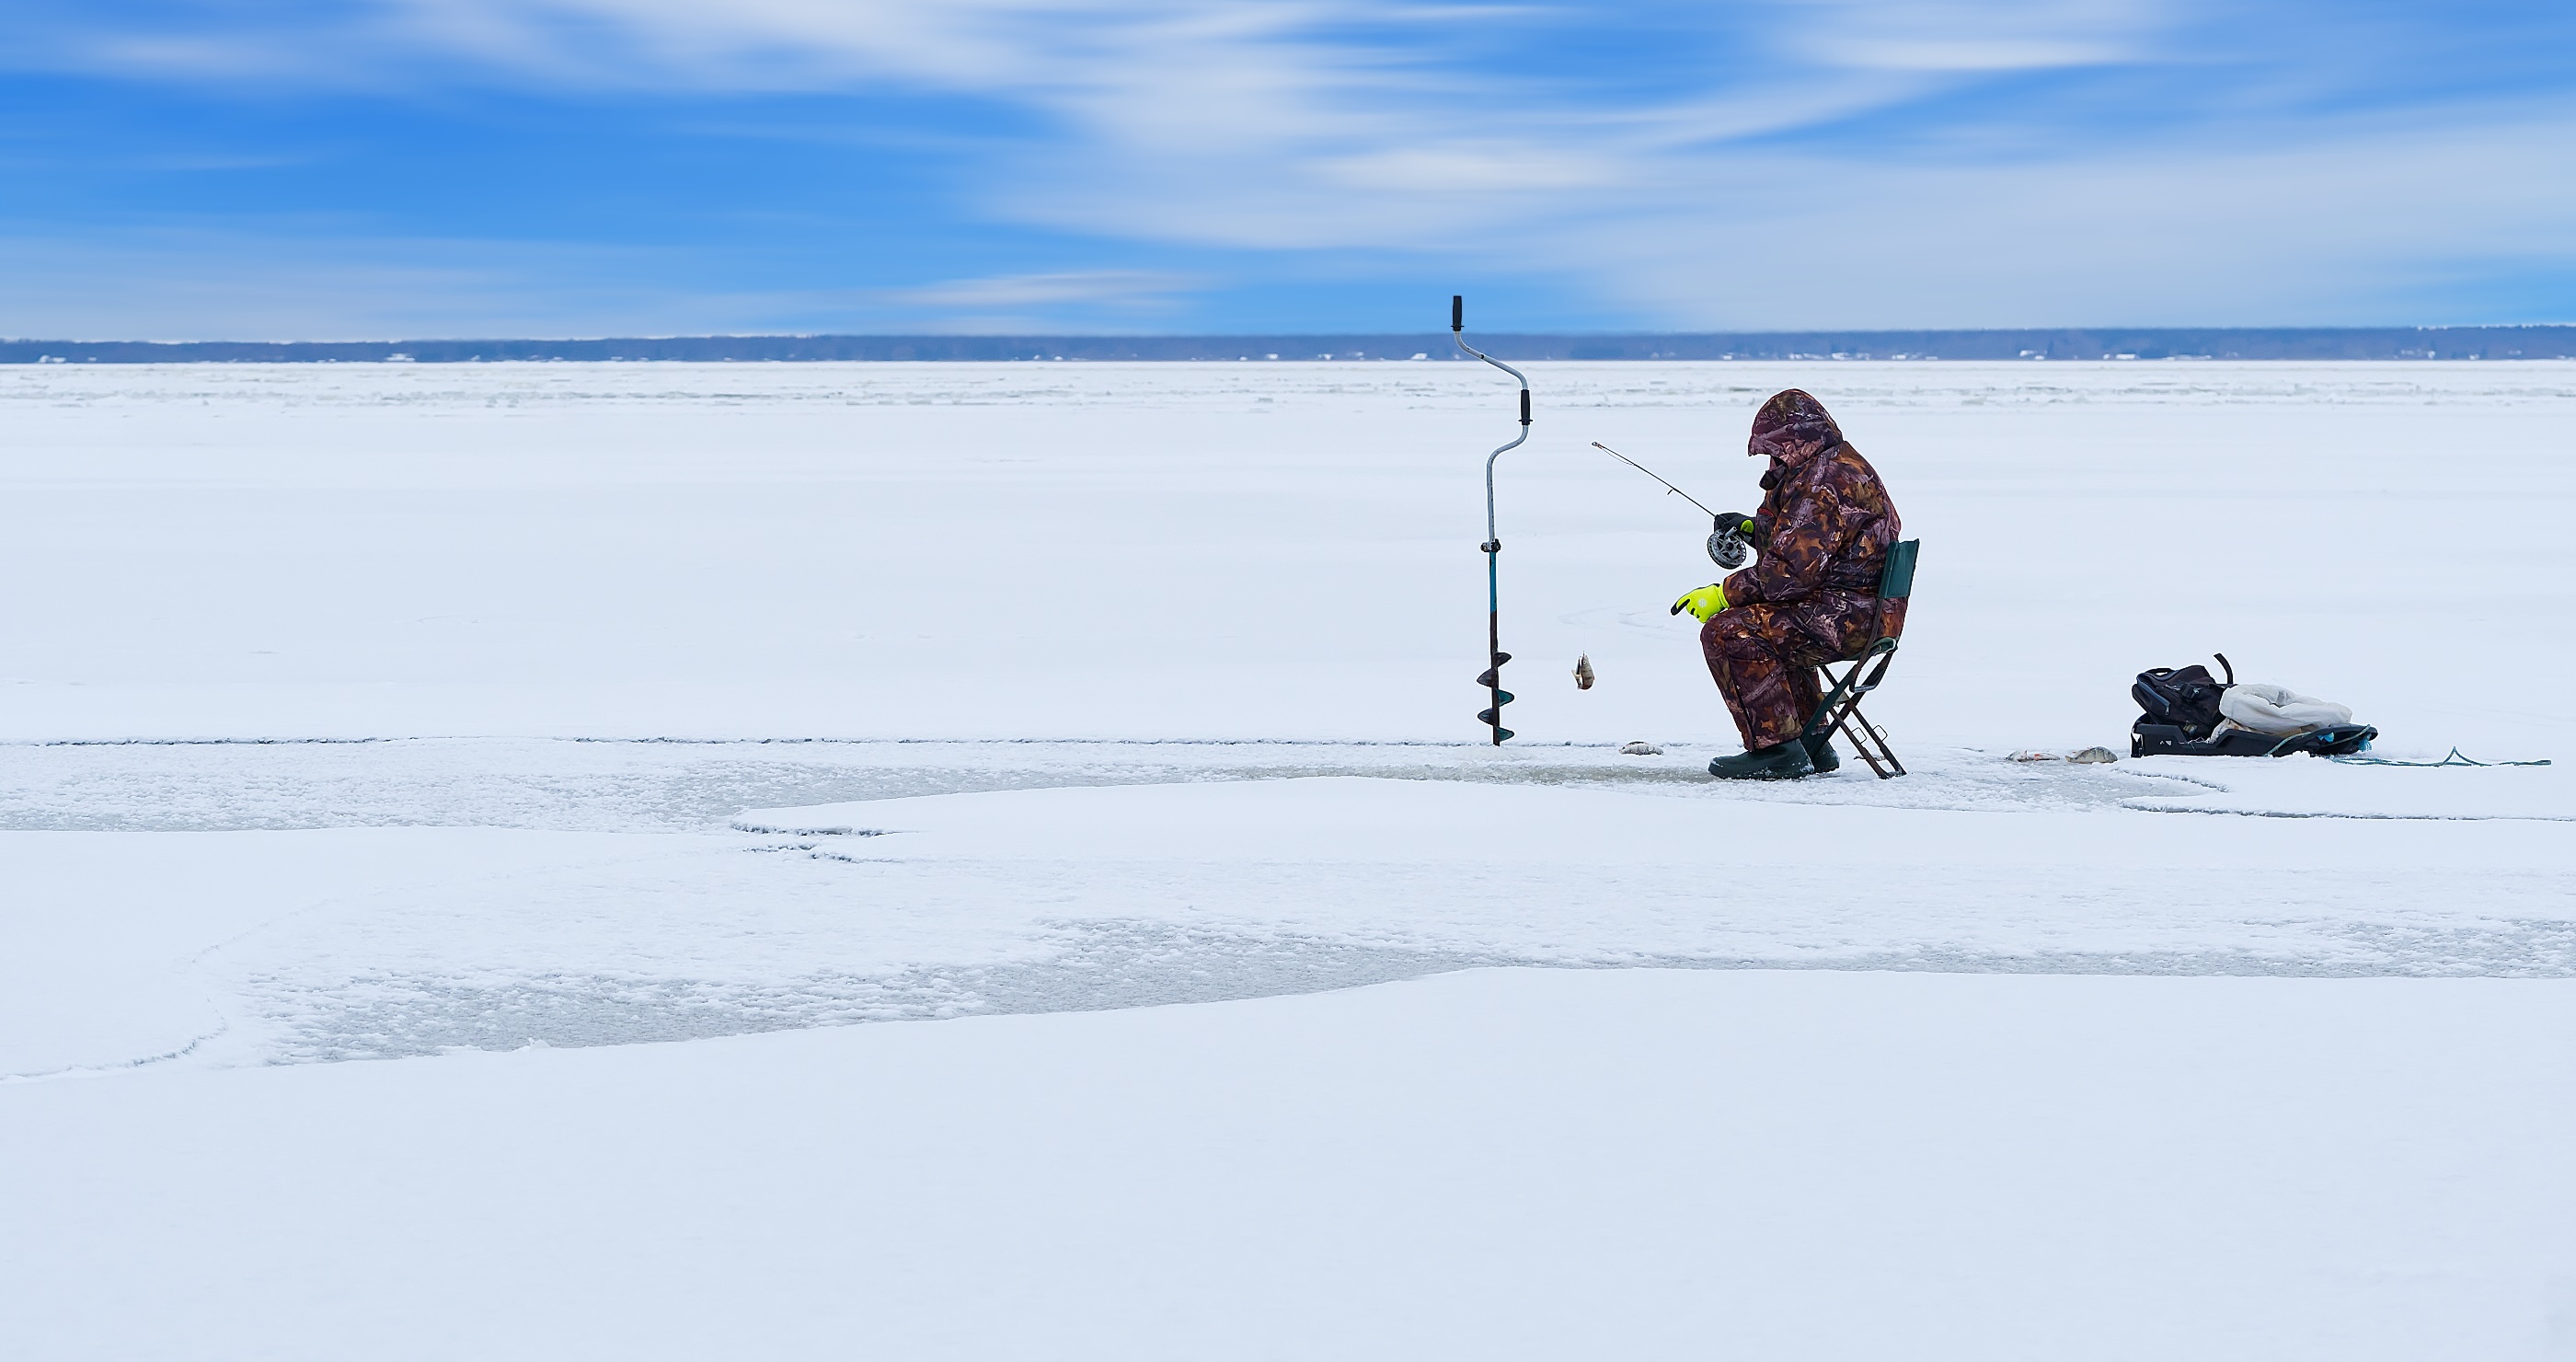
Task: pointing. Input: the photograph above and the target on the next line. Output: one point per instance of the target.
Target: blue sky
(382, 168)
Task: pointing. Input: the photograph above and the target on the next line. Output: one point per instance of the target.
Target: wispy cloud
(1771, 162)
(1981, 38)
(1097, 301)
(1133, 289)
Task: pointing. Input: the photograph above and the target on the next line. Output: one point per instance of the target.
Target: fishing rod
(1492, 678)
(1726, 543)
(1632, 463)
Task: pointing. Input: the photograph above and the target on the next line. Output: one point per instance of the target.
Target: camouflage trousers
(1764, 658)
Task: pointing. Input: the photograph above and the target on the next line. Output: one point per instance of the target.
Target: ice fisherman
(1811, 598)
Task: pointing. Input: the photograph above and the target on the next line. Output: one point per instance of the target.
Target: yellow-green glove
(1706, 601)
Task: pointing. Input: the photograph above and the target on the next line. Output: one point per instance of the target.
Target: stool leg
(1863, 735)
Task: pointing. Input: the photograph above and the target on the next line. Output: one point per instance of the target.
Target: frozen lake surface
(502, 721)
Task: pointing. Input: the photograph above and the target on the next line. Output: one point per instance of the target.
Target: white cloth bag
(2278, 710)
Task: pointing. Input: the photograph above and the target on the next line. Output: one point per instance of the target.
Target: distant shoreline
(2142, 343)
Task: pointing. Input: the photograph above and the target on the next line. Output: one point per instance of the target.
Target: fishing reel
(1728, 545)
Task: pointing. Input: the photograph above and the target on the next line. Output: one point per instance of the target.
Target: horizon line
(2527, 340)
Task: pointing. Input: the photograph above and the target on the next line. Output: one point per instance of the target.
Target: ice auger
(1492, 678)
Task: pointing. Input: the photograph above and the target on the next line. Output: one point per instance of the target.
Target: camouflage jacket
(1826, 522)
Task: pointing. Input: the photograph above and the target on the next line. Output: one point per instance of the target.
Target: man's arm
(1800, 541)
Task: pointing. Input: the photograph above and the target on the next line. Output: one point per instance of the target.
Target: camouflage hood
(1826, 521)
(1792, 427)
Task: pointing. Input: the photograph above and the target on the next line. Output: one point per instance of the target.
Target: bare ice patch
(1102, 966)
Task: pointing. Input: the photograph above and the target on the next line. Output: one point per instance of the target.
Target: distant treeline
(2389, 342)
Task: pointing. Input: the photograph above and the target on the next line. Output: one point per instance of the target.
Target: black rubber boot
(1820, 754)
(1780, 761)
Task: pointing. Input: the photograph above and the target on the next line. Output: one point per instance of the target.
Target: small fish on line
(1583, 672)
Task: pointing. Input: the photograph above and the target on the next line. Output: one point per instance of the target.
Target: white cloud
(193, 285)
(1992, 36)
(2349, 229)
(1329, 126)
(1130, 289)
(1972, 54)
(286, 285)
(201, 285)
(1477, 168)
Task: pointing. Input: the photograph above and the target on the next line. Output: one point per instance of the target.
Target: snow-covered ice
(1231, 551)
(498, 720)
(1493, 1164)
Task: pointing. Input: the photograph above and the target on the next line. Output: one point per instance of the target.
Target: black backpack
(2178, 716)
(2185, 698)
